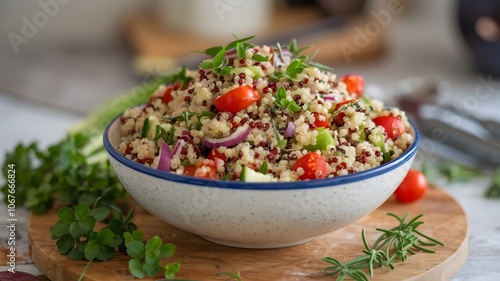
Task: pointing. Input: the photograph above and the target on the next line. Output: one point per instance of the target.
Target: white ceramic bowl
(257, 215)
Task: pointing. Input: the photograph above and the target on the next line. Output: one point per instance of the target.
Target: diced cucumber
(377, 138)
(149, 127)
(323, 139)
(249, 175)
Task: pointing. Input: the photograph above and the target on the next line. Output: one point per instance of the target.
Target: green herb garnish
(283, 102)
(146, 257)
(387, 155)
(219, 64)
(231, 275)
(264, 168)
(393, 244)
(494, 190)
(299, 62)
(281, 142)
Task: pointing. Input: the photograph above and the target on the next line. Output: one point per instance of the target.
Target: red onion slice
(165, 157)
(187, 135)
(282, 58)
(290, 130)
(178, 147)
(238, 136)
(332, 98)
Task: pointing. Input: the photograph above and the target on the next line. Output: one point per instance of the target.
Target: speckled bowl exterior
(257, 215)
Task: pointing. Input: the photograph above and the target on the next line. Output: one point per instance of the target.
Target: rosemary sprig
(394, 243)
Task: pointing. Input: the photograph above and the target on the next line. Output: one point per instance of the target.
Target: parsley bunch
(77, 237)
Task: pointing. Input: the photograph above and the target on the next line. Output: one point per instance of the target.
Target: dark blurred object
(341, 7)
(300, 3)
(479, 22)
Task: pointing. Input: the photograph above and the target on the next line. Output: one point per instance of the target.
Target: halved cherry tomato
(214, 153)
(392, 125)
(412, 188)
(205, 169)
(339, 117)
(355, 84)
(167, 96)
(314, 166)
(237, 99)
(189, 170)
(321, 120)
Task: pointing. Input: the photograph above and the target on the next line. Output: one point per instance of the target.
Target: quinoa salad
(262, 113)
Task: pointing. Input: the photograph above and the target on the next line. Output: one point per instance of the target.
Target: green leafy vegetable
(393, 244)
(494, 190)
(146, 257)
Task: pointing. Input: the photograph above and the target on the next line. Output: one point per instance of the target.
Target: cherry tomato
(214, 153)
(412, 188)
(392, 125)
(167, 96)
(355, 84)
(339, 117)
(205, 169)
(314, 166)
(237, 99)
(189, 170)
(321, 120)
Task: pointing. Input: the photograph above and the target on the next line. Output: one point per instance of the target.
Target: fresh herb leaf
(283, 102)
(387, 155)
(494, 190)
(145, 128)
(394, 243)
(260, 58)
(232, 275)
(264, 168)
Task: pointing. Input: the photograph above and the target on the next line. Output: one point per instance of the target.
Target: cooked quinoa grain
(266, 109)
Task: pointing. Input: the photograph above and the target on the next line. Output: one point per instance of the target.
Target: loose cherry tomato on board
(355, 84)
(237, 99)
(412, 188)
(392, 125)
(320, 120)
(314, 166)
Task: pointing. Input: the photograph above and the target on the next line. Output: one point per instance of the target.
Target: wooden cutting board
(201, 260)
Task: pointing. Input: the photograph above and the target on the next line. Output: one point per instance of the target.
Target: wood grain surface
(202, 260)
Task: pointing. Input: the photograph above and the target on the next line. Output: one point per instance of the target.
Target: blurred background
(439, 60)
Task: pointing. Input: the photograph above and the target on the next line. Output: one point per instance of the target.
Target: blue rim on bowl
(359, 176)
